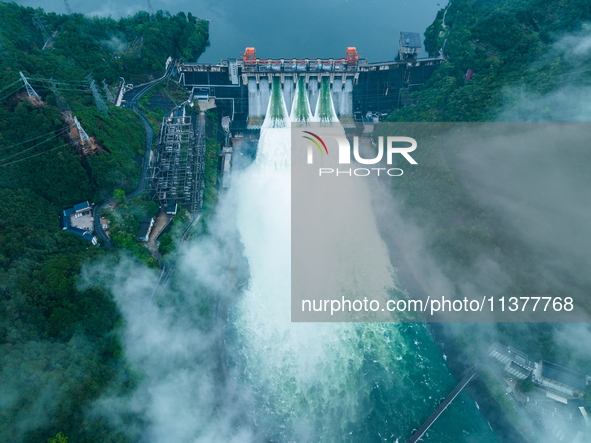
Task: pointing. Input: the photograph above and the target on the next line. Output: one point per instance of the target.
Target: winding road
(132, 98)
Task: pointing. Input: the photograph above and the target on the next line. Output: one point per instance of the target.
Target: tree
(119, 196)
(525, 385)
(59, 438)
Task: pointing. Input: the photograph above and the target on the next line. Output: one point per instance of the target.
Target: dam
(361, 91)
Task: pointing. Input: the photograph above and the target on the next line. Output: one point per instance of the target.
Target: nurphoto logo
(393, 146)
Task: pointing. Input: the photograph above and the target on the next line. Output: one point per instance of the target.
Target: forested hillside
(59, 347)
(521, 52)
(505, 43)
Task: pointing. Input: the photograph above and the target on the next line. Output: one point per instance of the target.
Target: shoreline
(455, 361)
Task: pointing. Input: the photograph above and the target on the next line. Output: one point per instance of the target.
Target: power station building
(563, 381)
(410, 46)
(176, 172)
(79, 221)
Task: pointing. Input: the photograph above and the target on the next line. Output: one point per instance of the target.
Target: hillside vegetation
(520, 51)
(59, 346)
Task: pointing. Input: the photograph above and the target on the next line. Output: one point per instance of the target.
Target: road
(132, 98)
(98, 228)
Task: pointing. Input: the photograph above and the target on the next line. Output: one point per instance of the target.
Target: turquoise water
(376, 383)
(328, 382)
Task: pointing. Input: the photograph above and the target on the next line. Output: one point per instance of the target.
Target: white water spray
(309, 382)
(313, 93)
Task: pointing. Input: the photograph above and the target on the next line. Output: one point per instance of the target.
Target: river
(329, 382)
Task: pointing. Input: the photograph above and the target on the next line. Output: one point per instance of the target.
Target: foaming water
(301, 111)
(325, 111)
(332, 382)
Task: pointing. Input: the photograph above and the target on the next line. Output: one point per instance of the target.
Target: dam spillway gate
(359, 89)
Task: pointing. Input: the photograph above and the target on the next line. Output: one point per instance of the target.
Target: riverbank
(457, 361)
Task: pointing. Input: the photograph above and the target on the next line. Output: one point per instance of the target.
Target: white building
(516, 362)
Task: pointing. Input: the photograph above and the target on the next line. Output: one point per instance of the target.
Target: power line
(8, 95)
(51, 80)
(68, 9)
(31, 139)
(34, 146)
(63, 89)
(13, 83)
(26, 158)
(43, 84)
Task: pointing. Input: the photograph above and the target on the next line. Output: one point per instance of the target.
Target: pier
(452, 395)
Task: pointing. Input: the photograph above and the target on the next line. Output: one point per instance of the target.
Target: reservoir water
(307, 28)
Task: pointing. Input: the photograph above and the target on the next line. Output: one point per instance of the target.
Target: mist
(537, 192)
(175, 348)
(175, 338)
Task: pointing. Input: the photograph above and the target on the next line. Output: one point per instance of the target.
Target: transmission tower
(151, 11)
(108, 93)
(84, 138)
(100, 103)
(41, 27)
(68, 9)
(61, 102)
(30, 90)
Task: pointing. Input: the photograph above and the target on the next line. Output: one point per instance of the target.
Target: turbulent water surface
(333, 382)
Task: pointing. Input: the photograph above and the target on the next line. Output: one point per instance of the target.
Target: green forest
(506, 44)
(510, 46)
(59, 345)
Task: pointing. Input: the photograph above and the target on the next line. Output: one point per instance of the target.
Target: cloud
(177, 342)
(182, 395)
(114, 9)
(115, 44)
(568, 59)
(533, 178)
